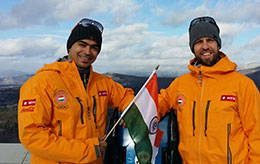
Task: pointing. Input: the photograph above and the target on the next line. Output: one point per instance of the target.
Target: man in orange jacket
(62, 110)
(218, 109)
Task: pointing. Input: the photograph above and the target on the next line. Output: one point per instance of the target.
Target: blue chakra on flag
(153, 125)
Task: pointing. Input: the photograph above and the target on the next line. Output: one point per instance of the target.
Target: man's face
(84, 52)
(206, 51)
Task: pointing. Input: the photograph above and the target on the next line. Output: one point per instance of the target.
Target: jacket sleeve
(34, 117)
(249, 110)
(120, 97)
(167, 99)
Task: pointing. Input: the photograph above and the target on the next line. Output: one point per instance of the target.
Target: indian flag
(141, 121)
(61, 98)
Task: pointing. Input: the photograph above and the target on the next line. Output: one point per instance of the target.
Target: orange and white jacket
(218, 112)
(59, 120)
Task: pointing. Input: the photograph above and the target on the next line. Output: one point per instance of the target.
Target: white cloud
(175, 18)
(133, 49)
(124, 37)
(68, 9)
(254, 44)
(50, 12)
(130, 41)
(237, 11)
(28, 47)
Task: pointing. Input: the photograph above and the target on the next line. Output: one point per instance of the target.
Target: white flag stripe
(155, 152)
(144, 103)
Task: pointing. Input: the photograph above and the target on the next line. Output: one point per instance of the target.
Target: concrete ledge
(13, 153)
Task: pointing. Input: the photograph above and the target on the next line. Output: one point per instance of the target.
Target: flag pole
(127, 108)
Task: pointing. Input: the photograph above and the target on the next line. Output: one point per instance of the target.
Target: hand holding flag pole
(127, 108)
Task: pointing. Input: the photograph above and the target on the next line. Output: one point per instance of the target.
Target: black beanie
(203, 29)
(80, 32)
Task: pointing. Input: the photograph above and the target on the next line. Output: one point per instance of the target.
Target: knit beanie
(203, 29)
(80, 32)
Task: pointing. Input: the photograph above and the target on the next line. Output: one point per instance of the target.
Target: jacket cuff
(93, 153)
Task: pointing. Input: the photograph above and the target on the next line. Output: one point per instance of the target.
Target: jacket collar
(223, 66)
(68, 71)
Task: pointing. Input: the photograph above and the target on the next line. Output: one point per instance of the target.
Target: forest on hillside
(8, 124)
(9, 97)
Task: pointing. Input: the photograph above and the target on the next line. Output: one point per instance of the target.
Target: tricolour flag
(141, 121)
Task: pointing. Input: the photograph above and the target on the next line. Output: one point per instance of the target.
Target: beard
(210, 61)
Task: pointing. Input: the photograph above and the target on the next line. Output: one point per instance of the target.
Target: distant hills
(9, 88)
(256, 78)
(10, 85)
(136, 82)
(14, 81)
(9, 95)
(248, 71)
(11, 73)
(254, 74)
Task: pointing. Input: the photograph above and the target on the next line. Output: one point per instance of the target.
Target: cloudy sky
(138, 34)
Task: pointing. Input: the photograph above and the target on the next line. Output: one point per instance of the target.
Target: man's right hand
(102, 144)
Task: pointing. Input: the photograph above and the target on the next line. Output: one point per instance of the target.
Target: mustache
(206, 51)
(84, 55)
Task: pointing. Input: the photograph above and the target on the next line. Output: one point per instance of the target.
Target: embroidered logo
(181, 99)
(30, 109)
(61, 98)
(30, 102)
(102, 93)
(228, 98)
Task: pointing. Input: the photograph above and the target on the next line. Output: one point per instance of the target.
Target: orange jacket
(59, 121)
(218, 112)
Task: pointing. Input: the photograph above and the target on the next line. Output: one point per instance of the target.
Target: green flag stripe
(139, 132)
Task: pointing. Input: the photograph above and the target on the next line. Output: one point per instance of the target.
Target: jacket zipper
(200, 80)
(94, 110)
(206, 118)
(193, 117)
(81, 109)
(83, 93)
(85, 80)
(86, 87)
(200, 115)
(229, 154)
(60, 128)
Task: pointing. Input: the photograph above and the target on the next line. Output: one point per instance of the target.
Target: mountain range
(254, 74)
(11, 73)
(9, 95)
(10, 85)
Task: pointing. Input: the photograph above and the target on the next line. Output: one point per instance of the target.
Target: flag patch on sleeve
(30, 102)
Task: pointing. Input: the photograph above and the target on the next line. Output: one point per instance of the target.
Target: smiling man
(62, 110)
(218, 109)
(84, 52)
(205, 41)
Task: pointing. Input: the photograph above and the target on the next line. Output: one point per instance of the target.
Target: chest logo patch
(181, 99)
(102, 93)
(61, 98)
(231, 98)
